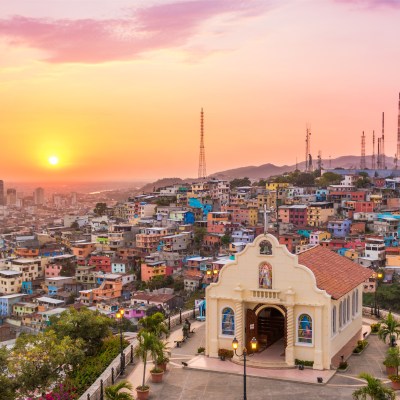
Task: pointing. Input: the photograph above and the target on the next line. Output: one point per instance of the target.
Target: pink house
(52, 270)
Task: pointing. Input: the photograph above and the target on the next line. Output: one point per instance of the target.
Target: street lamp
(378, 278)
(253, 344)
(120, 315)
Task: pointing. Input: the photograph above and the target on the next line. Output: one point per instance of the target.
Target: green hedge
(306, 363)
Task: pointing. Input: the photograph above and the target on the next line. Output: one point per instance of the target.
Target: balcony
(265, 294)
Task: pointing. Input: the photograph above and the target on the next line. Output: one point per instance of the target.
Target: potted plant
(148, 344)
(201, 350)
(162, 359)
(395, 379)
(343, 366)
(392, 361)
(157, 374)
(389, 328)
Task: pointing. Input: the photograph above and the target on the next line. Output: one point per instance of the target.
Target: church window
(356, 301)
(348, 309)
(344, 308)
(353, 303)
(265, 276)
(228, 322)
(304, 329)
(334, 319)
(265, 247)
(340, 314)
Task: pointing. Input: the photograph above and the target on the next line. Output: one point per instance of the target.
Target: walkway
(211, 379)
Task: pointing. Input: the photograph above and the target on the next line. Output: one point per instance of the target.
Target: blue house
(339, 228)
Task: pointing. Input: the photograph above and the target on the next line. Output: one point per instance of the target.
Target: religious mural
(228, 322)
(304, 329)
(265, 276)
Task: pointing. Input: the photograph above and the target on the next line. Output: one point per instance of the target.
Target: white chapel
(306, 306)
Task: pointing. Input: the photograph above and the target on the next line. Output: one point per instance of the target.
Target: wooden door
(251, 328)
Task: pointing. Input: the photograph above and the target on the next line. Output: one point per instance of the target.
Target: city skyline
(115, 92)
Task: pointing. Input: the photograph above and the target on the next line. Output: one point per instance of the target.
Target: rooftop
(335, 274)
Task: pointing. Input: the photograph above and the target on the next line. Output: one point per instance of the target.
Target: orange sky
(115, 92)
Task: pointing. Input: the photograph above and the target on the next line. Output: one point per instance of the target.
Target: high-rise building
(2, 193)
(38, 196)
(11, 197)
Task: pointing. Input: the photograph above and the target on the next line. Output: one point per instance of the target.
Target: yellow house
(306, 306)
(276, 185)
(319, 213)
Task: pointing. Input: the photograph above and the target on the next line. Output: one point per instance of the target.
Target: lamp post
(244, 354)
(378, 278)
(120, 315)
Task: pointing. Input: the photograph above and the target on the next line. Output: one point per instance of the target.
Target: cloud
(373, 3)
(147, 29)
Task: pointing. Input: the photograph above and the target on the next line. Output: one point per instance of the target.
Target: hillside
(266, 170)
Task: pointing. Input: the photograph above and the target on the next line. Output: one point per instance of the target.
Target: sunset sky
(114, 88)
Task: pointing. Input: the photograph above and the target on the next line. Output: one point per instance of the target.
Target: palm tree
(114, 392)
(154, 324)
(389, 328)
(375, 390)
(148, 345)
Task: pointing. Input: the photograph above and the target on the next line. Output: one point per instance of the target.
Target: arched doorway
(271, 327)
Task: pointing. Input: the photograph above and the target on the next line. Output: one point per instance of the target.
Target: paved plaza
(199, 379)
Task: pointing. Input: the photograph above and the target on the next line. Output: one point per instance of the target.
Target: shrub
(394, 378)
(201, 350)
(156, 370)
(343, 365)
(362, 344)
(225, 353)
(306, 363)
(375, 327)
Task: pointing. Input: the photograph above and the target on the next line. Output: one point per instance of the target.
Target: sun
(53, 160)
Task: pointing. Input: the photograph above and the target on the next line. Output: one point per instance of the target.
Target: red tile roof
(336, 274)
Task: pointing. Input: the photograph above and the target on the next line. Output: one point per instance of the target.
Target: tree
(148, 344)
(90, 326)
(375, 390)
(8, 385)
(100, 209)
(75, 225)
(115, 392)
(261, 182)
(154, 324)
(238, 182)
(226, 239)
(199, 233)
(39, 361)
(68, 269)
(389, 328)
(304, 179)
(329, 178)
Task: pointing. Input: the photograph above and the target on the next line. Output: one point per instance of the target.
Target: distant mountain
(267, 170)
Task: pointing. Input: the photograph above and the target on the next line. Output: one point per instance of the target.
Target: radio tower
(202, 158)
(383, 162)
(379, 158)
(308, 151)
(362, 163)
(373, 166)
(398, 136)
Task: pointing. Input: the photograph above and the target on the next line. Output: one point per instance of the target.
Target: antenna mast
(383, 162)
(362, 163)
(308, 150)
(373, 166)
(398, 136)
(202, 159)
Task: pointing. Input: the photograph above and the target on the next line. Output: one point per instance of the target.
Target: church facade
(309, 304)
